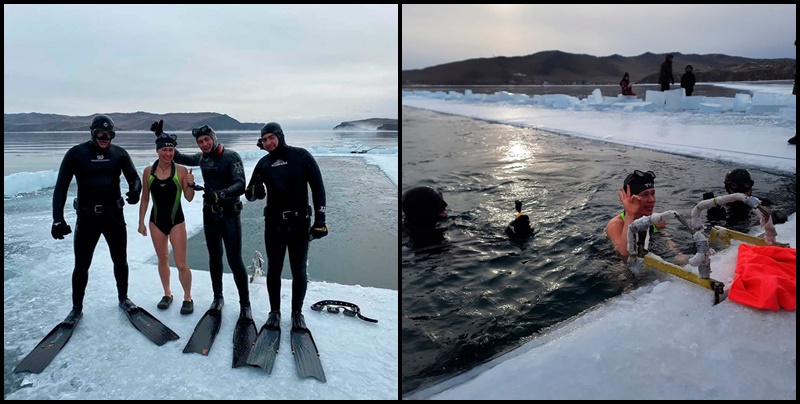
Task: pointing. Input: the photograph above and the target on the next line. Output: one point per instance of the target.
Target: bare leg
(162, 252)
(178, 239)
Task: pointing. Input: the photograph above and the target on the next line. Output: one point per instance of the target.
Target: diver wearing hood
(423, 209)
(287, 172)
(96, 166)
(737, 215)
(223, 176)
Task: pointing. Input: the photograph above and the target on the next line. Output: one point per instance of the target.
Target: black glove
(132, 197)
(259, 144)
(318, 230)
(60, 229)
(259, 191)
(212, 197)
(158, 127)
(255, 192)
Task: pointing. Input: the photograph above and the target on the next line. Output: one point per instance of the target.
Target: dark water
(477, 295)
(26, 151)
(360, 248)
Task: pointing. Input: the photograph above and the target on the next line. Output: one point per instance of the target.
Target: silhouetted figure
(665, 76)
(520, 227)
(423, 208)
(688, 80)
(625, 83)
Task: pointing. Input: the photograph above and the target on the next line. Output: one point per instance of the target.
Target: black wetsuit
(97, 172)
(736, 215)
(665, 75)
(223, 173)
(287, 173)
(166, 195)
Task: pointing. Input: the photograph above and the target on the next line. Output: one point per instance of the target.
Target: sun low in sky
(438, 34)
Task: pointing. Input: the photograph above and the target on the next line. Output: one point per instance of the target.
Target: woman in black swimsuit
(165, 181)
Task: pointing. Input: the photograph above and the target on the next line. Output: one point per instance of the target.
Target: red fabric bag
(765, 277)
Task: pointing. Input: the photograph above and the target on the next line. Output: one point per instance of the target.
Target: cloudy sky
(437, 34)
(304, 65)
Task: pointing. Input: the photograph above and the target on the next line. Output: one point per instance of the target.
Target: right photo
(594, 211)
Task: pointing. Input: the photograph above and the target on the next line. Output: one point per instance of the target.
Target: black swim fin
(304, 349)
(266, 347)
(206, 331)
(306, 355)
(147, 324)
(244, 336)
(50, 346)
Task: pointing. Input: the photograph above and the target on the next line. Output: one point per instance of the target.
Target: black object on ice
(350, 309)
(244, 335)
(206, 330)
(147, 324)
(304, 349)
(363, 151)
(264, 351)
(51, 344)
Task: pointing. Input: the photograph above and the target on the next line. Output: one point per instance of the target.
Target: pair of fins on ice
(208, 327)
(57, 338)
(258, 349)
(249, 347)
(266, 346)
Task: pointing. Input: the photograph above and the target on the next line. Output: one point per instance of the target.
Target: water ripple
(475, 294)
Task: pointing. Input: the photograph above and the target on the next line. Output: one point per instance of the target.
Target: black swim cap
(166, 140)
(639, 181)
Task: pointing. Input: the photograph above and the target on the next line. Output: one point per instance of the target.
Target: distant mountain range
(369, 124)
(556, 67)
(35, 122)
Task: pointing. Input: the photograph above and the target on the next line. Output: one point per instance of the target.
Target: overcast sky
(309, 65)
(437, 34)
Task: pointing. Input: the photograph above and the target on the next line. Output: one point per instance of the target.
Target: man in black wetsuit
(96, 165)
(287, 173)
(738, 215)
(223, 174)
